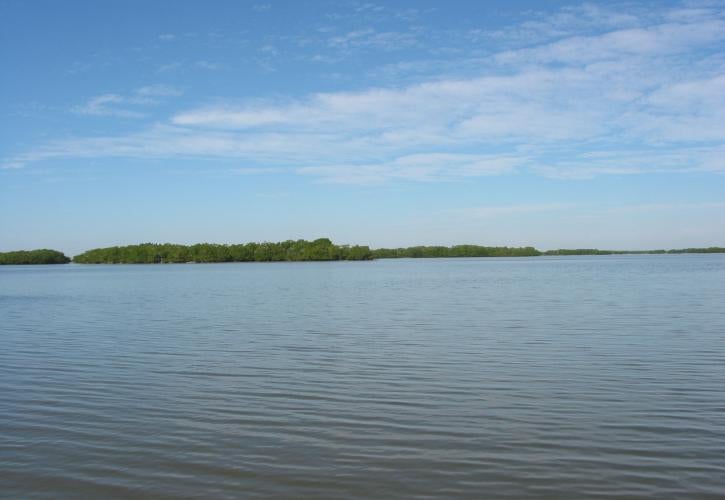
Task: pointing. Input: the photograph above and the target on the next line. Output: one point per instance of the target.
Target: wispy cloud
(368, 7)
(658, 159)
(651, 41)
(269, 49)
(169, 67)
(159, 90)
(12, 165)
(370, 38)
(601, 92)
(212, 66)
(127, 106)
(107, 105)
(569, 21)
(418, 167)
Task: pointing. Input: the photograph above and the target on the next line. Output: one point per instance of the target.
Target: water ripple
(506, 378)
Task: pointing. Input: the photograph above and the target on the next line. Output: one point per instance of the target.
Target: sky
(397, 123)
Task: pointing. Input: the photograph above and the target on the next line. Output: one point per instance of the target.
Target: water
(577, 377)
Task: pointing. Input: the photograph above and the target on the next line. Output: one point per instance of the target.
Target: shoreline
(321, 250)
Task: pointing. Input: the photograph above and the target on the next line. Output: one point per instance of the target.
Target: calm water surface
(576, 377)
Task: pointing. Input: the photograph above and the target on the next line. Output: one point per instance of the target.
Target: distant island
(594, 251)
(41, 256)
(322, 249)
(428, 252)
(454, 251)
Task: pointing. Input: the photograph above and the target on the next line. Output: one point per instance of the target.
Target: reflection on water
(542, 377)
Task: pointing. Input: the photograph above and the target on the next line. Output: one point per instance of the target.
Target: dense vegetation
(454, 251)
(42, 256)
(152, 253)
(318, 250)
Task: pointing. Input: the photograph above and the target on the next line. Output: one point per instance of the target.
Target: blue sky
(551, 124)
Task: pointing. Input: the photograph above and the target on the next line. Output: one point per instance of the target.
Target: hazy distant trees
(42, 256)
(699, 250)
(594, 251)
(581, 251)
(483, 251)
(454, 251)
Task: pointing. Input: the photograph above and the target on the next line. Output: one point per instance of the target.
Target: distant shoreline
(320, 250)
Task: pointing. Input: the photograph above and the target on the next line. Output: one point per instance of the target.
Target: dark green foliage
(42, 256)
(454, 251)
(152, 253)
(300, 250)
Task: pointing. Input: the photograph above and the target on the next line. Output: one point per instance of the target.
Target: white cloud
(159, 90)
(12, 165)
(535, 105)
(669, 38)
(644, 94)
(570, 22)
(127, 106)
(369, 7)
(443, 104)
(220, 118)
(418, 167)
(660, 159)
(370, 38)
(107, 105)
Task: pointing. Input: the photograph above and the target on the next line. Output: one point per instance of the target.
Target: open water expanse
(571, 377)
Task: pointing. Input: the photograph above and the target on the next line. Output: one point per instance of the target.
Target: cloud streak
(418, 167)
(642, 95)
(127, 106)
(107, 105)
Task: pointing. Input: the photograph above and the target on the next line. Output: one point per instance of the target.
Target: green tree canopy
(154, 253)
(41, 256)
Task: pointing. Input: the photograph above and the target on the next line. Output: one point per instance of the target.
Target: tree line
(699, 250)
(454, 251)
(41, 256)
(321, 249)
(595, 251)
